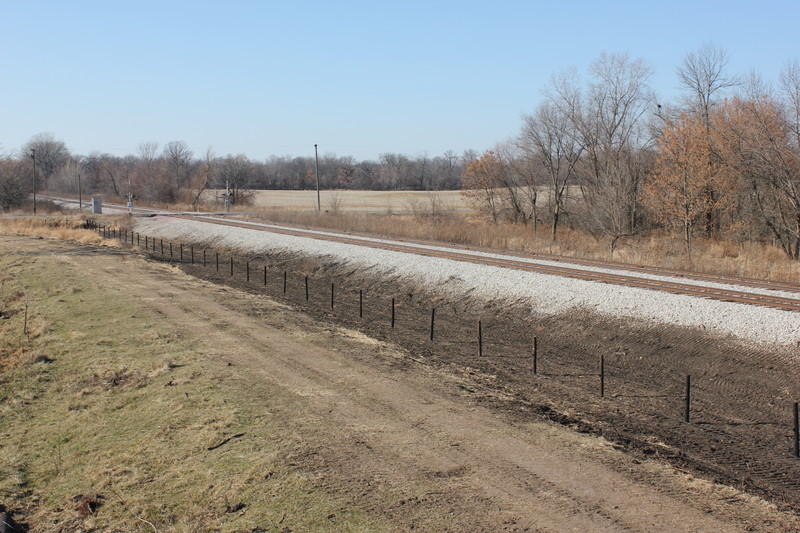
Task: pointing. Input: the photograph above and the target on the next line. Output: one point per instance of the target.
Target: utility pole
(33, 158)
(316, 171)
(130, 197)
(80, 200)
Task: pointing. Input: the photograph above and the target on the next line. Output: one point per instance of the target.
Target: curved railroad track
(622, 274)
(517, 263)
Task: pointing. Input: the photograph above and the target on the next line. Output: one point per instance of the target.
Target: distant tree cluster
(173, 173)
(605, 156)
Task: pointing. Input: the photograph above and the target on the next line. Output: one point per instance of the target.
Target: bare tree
(106, 173)
(205, 174)
(178, 158)
(519, 179)
(548, 138)
(236, 172)
(15, 181)
(609, 127)
(702, 74)
(51, 155)
(789, 83)
(148, 169)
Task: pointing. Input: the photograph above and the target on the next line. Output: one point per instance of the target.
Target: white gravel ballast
(542, 293)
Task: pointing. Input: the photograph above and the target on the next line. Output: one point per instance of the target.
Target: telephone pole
(316, 172)
(33, 158)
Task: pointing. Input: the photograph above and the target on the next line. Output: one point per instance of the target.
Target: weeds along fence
(682, 398)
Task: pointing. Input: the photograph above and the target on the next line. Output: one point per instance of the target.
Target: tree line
(174, 173)
(603, 154)
(599, 152)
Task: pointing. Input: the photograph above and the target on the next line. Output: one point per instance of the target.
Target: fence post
(688, 399)
(181, 251)
(480, 339)
(331, 295)
(145, 243)
(138, 242)
(602, 376)
(433, 318)
(796, 431)
(162, 246)
(285, 275)
(204, 257)
(231, 266)
(217, 256)
(392, 313)
(154, 244)
(535, 355)
(191, 252)
(247, 270)
(170, 248)
(360, 303)
(265, 275)
(306, 282)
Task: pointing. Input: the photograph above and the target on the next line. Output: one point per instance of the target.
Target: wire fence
(688, 397)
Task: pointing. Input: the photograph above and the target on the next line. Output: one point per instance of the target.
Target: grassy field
(113, 421)
(143, 398)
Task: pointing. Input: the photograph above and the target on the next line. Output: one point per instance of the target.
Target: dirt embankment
(387, 431)
(742, 394)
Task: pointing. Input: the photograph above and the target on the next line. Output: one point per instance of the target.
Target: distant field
(359, 201)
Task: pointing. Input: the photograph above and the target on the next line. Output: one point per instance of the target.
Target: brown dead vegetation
(718, 255)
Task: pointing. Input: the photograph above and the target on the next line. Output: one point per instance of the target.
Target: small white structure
(97, 205)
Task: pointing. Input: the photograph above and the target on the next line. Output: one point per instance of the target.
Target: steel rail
(730, 295)
(515, 261)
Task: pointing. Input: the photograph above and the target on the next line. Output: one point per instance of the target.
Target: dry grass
(106, 403)
(64, 227)
(752, 260)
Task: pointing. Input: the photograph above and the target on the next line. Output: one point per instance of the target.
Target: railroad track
(516, 263)
(620, 274)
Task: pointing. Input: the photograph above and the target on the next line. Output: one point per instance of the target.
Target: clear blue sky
(358, 78)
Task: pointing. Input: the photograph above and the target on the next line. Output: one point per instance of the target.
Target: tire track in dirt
(540, 477)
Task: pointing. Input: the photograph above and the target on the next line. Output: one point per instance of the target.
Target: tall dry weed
(69, 227)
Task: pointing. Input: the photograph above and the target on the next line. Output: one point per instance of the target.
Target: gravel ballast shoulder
(541, 293)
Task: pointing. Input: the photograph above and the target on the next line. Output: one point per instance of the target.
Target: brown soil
(391, 411)
(742, 395)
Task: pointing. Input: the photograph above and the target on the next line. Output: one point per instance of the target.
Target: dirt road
(374, 430)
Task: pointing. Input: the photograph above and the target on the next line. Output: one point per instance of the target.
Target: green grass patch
(111, 421)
